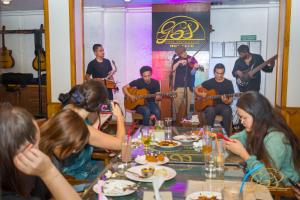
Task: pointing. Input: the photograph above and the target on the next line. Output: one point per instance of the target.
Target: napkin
(157, 183)
(164, 195)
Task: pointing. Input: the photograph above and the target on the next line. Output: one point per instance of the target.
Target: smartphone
(293, 183)
(105, 107)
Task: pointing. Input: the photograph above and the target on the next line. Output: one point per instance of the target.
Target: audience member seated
(85, 100)
(266, 140)
(64, 139)
(24, 168)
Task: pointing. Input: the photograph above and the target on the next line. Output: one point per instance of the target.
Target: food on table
(151, 157)
(167, 143)
(147, 171)
(202, 197)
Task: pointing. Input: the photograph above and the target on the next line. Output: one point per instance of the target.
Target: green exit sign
(248, 37)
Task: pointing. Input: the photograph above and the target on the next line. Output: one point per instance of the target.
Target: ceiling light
(6, 2)
(127, 0)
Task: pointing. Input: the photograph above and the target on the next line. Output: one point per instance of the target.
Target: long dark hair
(265, 117)
(65, 130)
(88, 96)
(16, 129)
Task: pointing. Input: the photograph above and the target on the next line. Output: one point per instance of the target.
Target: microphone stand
(38, 51)
(171, 88)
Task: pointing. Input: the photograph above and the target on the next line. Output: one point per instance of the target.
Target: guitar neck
(262, 65)
(151, 95)
(226, 95)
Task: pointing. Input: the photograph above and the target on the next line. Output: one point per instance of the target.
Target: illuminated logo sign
(179, 28)
(173, 29)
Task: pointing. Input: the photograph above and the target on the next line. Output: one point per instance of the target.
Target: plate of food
(205, 195)
(146, 173)
(116, 188)
(186, 138)
(167, 144)
(151, 158)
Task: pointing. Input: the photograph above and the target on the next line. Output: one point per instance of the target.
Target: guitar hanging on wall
(6, 59)
(43, 61)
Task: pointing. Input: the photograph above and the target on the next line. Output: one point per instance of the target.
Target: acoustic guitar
(141, 96)
(248, 74)
(203, 102)
(6, 59)
(35, 63)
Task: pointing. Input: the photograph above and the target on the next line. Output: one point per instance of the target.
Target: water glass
(126, 150)
(168, 133)
(232, 193)
(168, 122)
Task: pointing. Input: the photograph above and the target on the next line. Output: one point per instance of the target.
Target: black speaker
(38, 43)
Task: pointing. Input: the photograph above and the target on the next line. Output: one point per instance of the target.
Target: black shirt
(225, 87)
(254, 84)
(99, 69)
(181, 72)
(152, 87)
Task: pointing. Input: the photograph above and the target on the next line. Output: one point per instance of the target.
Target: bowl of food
(147, 171)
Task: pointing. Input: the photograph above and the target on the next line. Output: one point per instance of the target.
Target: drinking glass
(126, 149)
(207, 144)
(159, 125)
(168, 128)
(232, 193)
(146, 138)
(168, 122)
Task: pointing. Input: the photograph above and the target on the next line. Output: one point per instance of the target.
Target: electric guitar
(141, 96)
(203, 102)
(6, 59)
(248, 74)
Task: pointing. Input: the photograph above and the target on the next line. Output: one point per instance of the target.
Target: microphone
(174, 56)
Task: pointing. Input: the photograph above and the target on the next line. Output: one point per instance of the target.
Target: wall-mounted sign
(248, 37)
(188, 29)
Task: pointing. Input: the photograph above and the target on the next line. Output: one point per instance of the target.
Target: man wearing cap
(182, 67)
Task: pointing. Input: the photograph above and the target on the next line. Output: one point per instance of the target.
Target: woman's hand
(236, 147)
(34, 162)
(116, 110)
(297, 191)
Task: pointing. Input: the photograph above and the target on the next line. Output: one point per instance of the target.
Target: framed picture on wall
(255, 47)
(229, 49)
(217, 49)
(239, 43)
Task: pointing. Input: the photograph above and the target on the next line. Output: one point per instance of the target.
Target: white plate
(168, 147)
(170, 173)
(195, 195)
(142, 160)
(186, 138)
(114, 188)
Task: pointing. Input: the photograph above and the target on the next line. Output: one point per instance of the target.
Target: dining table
(189, 164)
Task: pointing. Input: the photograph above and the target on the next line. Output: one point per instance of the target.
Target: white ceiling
(38, 4)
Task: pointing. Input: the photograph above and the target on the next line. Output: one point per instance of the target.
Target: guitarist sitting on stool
(250, 61)
(222, 106)
(152, 85)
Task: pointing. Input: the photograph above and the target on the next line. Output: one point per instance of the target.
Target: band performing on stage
(208, 99)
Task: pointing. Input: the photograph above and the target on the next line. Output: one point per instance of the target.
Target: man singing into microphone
(182, 67)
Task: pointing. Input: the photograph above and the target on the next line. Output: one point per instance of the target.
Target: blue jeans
(147, 111)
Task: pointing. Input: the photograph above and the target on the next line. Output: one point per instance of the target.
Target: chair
(136, 117)
(279, 192)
